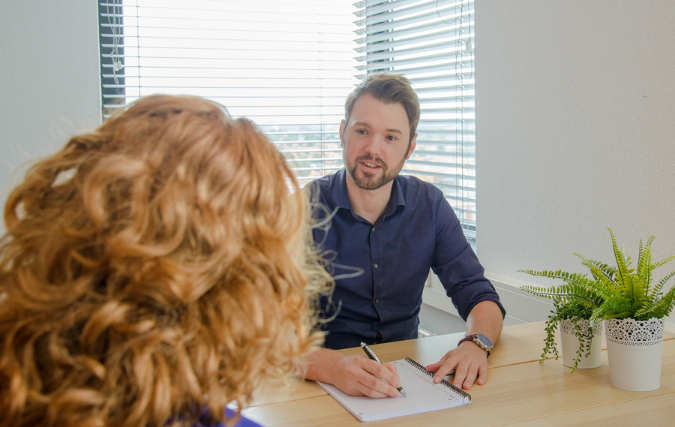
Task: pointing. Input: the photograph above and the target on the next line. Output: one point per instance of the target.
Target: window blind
(431, 43)
(287, 65)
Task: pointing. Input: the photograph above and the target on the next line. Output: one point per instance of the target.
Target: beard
(371, 181)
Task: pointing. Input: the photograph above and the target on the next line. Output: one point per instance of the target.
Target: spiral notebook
(423, 395)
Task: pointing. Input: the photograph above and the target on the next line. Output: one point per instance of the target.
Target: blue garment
(243, 422)
(418, 230)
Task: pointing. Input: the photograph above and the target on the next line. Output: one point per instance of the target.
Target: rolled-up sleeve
(457, 266)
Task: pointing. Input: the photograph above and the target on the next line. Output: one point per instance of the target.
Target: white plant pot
(635, 349)
(570, 344)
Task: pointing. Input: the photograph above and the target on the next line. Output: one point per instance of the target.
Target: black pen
(372, 356)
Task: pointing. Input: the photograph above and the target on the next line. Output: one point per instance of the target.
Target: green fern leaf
(602, 277)
(635, 290)
(549, 293)
(612, 291)
(657, 289)
(606, 270)
(663, 262)
(616, 307)
(620, 260)
(600, 291)
(664, 305)
(645, 261)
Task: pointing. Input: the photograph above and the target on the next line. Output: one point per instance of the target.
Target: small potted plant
(573, 305)
(631, 308)
(633, 311)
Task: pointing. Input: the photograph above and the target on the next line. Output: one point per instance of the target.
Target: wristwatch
(480, 340)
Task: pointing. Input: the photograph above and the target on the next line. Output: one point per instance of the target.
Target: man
(393, 228)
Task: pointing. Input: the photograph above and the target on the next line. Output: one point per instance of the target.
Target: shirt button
(377, 301)
(373, 230)
(375, 265)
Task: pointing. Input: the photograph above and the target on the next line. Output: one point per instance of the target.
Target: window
(431, 43)
(289, 65)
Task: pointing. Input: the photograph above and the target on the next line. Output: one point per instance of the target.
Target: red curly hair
(153, 271)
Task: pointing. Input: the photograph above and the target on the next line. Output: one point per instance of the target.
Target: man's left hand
(469, 362)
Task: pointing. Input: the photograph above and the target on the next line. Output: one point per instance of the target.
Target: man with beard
(391, 230)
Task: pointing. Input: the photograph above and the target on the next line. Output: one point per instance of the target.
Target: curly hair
(154, 270)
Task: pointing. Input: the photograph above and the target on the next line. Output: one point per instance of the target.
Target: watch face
(484, 340)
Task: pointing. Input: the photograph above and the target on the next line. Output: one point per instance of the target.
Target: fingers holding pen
(383, 378)
(365, 377)
(355, 375)
(372, 356)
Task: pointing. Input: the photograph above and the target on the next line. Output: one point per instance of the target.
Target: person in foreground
(393, 228)
(153, 271)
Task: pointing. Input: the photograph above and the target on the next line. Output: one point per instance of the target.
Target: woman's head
(151, 268)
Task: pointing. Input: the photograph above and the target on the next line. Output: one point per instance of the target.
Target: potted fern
(631, 307)
(633, 311)
(573, 307)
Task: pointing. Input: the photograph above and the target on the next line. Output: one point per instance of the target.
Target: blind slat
(289, 67)
(427, 42)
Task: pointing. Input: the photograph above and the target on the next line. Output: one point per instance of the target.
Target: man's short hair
(390, 89)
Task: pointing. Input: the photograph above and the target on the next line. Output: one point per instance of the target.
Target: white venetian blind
(431, 43)
(287, 65)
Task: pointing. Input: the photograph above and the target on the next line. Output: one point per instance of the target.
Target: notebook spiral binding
(444, 382)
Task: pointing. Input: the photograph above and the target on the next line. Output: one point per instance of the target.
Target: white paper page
(423, 396)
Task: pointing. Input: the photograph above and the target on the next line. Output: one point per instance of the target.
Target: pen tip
(403, 393)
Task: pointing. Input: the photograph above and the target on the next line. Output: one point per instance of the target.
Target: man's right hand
(354, 375)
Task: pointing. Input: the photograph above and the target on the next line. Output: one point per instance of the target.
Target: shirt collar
(340, 195)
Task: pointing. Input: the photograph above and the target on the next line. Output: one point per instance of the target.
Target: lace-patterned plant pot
(635, 349)
(570, 344)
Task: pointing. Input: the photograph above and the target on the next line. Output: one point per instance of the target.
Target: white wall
(575, 126)
(49, 79)
(575, 120)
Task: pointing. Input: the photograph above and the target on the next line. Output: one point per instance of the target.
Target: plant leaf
(620, 260)
(663, 262)
(657, 289)
(645, 261)
(663, 306)
(577, 287)
(618, 307)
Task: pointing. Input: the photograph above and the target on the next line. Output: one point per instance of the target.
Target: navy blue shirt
(417, 230)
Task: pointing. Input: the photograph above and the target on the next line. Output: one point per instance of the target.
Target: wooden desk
(520, 391)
